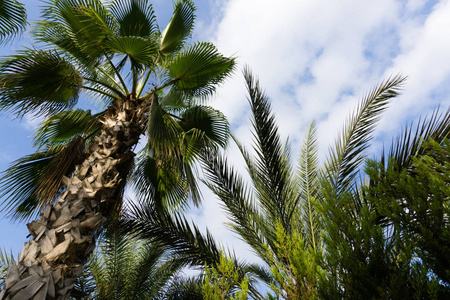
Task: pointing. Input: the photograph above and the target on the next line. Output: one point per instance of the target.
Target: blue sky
(315, 58)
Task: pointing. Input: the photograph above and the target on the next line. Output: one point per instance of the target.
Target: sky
(315, 59)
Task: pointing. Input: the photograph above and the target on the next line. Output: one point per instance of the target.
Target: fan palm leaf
(115, 53)
(179, 28)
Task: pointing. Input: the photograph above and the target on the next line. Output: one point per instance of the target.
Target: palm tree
(13, 19)
(149, 82)
(277, 215)
(123, 267)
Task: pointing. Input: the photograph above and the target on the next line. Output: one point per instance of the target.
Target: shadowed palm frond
(192, 247)
(182, 288)
(179, 28)
(86, 24)
(272, 173)
(345, 158)
(160, 181)
(210, 122)
(33, 181)
(64, 126)
(13, 19)
(123, 267)
(239, 203)
(409, 143)
(38, 82)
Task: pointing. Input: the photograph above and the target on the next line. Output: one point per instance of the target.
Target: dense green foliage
(322, 231)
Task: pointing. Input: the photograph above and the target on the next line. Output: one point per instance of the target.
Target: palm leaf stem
(124, 86)
(119, 93)
(147, 96)
(100, 92)
(142, 83)
(134, 85)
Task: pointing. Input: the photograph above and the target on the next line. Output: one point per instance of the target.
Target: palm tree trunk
(63, 237)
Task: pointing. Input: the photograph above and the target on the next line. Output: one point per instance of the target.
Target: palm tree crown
(149, 83)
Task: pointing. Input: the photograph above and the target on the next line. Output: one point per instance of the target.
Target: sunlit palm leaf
(345, 158)
(38, 82)
(64, 126)
(13, 19)
(179, 27)
(308, 173)
(199, 68)
(140, 51)
(87, 22)
(135, 17)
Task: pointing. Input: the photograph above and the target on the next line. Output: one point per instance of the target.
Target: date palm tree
(13, 19)
(150, 83)
(277, 212)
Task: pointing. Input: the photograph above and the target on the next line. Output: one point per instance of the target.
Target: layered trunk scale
(63, 237)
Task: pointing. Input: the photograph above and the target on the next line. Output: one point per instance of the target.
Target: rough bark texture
(63, 237)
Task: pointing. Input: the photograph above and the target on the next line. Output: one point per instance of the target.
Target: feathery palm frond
(274, 186)
(239, 203)
(192, 247)
(6, 258)
(345, 158)
(123, 267)
(13, 19)
(409, 143)
(308, 173)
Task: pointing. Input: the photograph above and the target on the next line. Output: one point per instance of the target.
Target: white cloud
(317, 59)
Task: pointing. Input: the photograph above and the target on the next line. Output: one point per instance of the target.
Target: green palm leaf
(409, 143)
(140, 51)
(19, 183)
(65, 126)
(135, 18)
(6, 258)
(193, 247)
(38, 82)
(308, 176)
(210, 122)
(13, 19)
(271, 175)
(198, 69)
(239, 203)
(160, 181)
(87, 23)
(34, 181)
(347, 155)
(179, 27)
